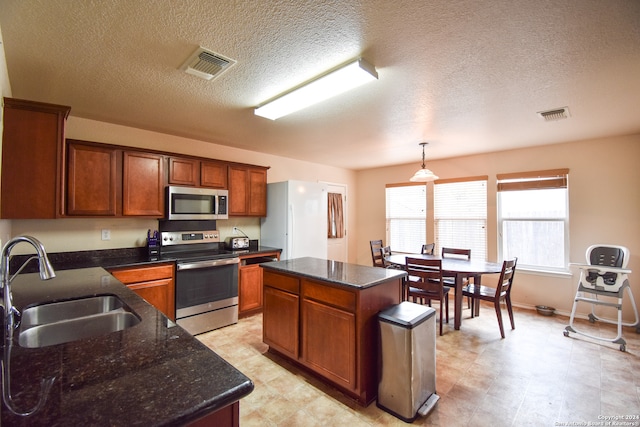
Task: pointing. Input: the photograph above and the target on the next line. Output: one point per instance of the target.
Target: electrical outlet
(235, 230)
(106, 234)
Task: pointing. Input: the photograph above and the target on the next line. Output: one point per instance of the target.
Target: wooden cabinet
(92, 180)
(250, 282)
(328, 318)
(250, 289)
(32, 159)
(103, 180)
(329, 329)
(247, 191)
(142, 184)
(153, 283)
(197, 173)
(280, 318)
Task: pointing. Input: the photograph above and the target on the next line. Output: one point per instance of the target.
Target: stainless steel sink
(65, 321)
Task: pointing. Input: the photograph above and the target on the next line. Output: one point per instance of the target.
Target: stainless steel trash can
(407, 384)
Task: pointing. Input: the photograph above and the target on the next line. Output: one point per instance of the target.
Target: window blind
(406, 217)
(460, 214)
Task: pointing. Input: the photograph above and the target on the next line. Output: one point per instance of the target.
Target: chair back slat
(505, 283)
(428, 249)
(376, 245)
(428, 270)
(456, 253)
(385, 251)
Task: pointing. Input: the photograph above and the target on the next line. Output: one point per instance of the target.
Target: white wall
(604, 204)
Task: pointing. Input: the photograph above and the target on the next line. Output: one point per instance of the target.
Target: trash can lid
(406, 314)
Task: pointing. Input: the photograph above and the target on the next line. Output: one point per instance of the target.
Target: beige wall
(604, 205)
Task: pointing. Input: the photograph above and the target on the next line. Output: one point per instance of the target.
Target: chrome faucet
(11, 314)
(12, 319)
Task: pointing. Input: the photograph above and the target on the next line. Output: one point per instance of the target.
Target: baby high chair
(603, 282)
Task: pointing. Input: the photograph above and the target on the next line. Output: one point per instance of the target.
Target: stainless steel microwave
(189, 203)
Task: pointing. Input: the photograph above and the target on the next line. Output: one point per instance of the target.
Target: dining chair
(502, 292)
(428, 249)
(460, 254)
(376, 257)
(429, 285)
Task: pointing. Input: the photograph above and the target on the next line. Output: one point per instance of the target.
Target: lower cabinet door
(280, 321)
(250, 292)
(158, 293)
(329, 342)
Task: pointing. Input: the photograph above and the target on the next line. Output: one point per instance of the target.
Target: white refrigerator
(296, 220)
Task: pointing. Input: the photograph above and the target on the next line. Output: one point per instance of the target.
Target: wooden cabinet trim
(333, 296)
(280, 281)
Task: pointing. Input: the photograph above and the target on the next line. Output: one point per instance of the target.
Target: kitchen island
(323, 316)
(153, 373)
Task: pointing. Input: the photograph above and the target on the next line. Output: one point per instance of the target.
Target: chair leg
(446, 306)
(510, 309)
(499, 314)
(473, 306)
(440, 316)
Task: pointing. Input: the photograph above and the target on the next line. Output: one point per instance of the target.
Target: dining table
(452, 267)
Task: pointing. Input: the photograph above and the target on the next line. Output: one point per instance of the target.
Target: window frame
(535, 181)
(437, 239)
(423, 218)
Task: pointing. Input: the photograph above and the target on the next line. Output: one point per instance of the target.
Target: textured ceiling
(467, 76)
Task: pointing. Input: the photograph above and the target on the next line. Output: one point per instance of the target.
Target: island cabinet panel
(329, 342)
(153, 283)
(143, 184)
(92, 180)
(331, 329)
(32, 159)
(280, 321)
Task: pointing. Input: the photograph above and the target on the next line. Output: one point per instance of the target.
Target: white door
(337, 247)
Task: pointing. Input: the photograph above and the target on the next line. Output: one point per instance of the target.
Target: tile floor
(534, 377)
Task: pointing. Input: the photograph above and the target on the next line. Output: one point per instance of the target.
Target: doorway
(337, 246)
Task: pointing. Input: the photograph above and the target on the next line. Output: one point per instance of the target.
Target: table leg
(476, 287)
(458, 302)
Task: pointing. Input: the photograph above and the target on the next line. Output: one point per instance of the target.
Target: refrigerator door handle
(291, 226)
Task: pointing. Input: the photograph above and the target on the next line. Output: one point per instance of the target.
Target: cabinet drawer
(143, 274)
(333, 296)
(280, 281)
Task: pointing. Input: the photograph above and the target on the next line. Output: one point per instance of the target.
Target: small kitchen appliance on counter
(235, 243)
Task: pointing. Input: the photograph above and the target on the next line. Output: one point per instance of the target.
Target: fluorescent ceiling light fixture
(324, 87)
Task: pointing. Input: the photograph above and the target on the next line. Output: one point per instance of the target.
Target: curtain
(335, 226)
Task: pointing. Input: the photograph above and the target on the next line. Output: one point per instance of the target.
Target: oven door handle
(207, 264)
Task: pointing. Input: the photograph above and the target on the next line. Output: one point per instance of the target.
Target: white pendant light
(326, 86)
(424, 174)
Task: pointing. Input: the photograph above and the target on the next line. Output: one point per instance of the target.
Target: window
(533, 216)
(460, 215)
(406, 217)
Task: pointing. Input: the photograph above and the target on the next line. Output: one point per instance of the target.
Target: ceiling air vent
(206, 64)
(555, 114)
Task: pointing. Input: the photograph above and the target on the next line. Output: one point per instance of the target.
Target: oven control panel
(189, 237)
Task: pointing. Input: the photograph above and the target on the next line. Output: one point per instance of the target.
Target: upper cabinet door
(213, 174)
(247, 191)
(32, 153)
(91, 180)
(183, 171)
(143, 184)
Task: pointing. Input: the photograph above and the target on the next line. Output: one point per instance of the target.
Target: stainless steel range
(206, 279)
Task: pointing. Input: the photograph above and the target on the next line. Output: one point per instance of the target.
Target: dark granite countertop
(340, 273)
(109, 258)
(151, 374)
